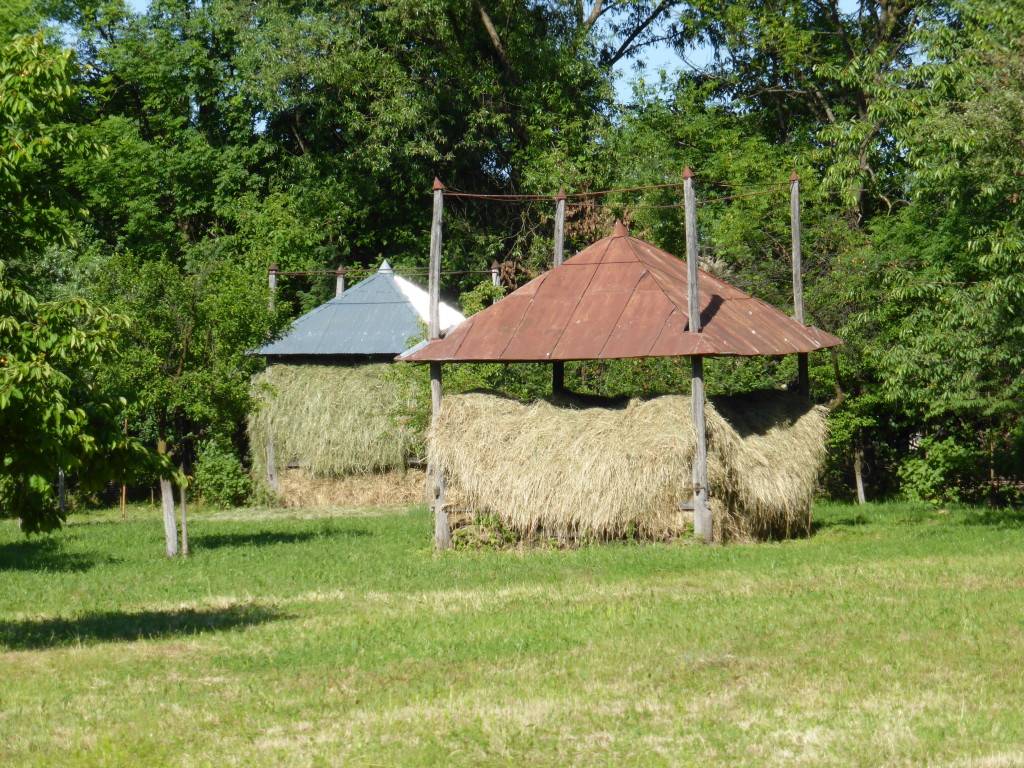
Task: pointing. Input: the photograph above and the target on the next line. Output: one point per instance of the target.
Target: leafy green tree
(36, 141)
(53, 416)
(939, 287)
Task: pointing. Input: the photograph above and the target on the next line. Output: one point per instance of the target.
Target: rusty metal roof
(618, 298)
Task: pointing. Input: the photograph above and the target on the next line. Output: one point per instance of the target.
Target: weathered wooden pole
(558, 367)
(803, 378)
(701, 510)
(339, 280)
(495, 274)
(560, 227)
(435, 477)
(272, 284)
(271, 466)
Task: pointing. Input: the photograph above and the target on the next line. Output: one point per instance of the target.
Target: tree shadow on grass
(44, 554)
(1009, 517)
(264, 539)
(839, 522)
(122, 626)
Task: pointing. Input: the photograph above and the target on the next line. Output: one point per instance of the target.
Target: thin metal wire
(679, 205)
(509, 198)
(729, 184)
(404, 271)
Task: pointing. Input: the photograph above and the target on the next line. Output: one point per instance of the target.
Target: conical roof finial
(620, 229)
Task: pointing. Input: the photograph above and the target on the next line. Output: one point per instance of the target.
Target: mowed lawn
(894, 636)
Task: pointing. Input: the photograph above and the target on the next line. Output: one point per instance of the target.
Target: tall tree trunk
(858, 473)
(167, 500)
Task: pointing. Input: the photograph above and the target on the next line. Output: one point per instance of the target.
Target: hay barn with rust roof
(593, 473)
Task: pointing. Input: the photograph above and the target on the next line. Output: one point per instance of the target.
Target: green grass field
(894, 636)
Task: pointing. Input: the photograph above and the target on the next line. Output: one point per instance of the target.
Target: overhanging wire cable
(508, 198)
(677, 205)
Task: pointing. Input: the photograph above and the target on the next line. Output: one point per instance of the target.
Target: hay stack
(334, 421)
(600, 473)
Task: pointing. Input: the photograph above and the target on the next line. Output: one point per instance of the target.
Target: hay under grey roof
(377, 316)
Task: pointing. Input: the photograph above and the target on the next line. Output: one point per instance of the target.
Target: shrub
(941, 471)
(219, 476)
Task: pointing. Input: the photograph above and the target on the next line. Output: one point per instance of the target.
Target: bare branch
(638, 30)
(496, 43)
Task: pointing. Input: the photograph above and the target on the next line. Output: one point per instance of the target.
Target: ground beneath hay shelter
(337, 637)
(298, 490)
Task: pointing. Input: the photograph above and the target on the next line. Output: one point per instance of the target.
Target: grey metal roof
(381, 315)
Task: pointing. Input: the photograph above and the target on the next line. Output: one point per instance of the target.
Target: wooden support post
(435, 477)
(271, 466)
(558, 367)
(702, 525)
(339, 281)
(272, 284)
(184, 517)
(495, 274)
(803, 378)
(560, 227)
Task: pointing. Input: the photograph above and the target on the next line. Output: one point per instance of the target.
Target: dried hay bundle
(389, 489)
(599, 473)
(334, 421)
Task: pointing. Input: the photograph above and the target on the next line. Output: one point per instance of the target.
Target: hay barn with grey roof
(331, 423)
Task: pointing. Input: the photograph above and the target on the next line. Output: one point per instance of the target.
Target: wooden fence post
(803, 377)
(339, 281)
(435, 476)
(495, 274)
(702, 524)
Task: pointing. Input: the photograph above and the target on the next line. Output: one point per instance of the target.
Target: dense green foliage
(219, 476)
(54, 416)
(195, 143)
(885, 639)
